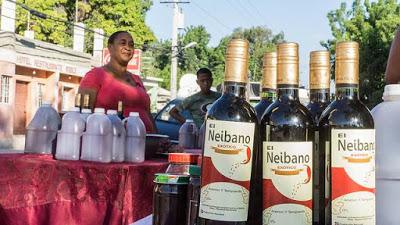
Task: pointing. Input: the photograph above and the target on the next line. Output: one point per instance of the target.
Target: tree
(111, 16)
(197, 56)
(261, 40)
(45, 29)
(114, 15)
(372, 25)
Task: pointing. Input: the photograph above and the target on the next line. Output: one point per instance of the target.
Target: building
(32, 72)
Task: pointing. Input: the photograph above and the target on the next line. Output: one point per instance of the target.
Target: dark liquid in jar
(193, 200)
(169, 204)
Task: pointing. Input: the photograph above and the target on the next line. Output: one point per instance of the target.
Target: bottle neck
(235, 88)
(319, 95)
(288, 92)
(268, 94)
(347, 91)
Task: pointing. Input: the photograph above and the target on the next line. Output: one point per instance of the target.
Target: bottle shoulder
(291, 113)
(347, 113)
(232, 108)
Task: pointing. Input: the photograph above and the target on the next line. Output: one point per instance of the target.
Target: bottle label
(327, 180)
(353, 176)
(226, 170)
(287, 182)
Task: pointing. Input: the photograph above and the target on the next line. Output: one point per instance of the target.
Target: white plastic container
(41, 133)
(387, 124)
(188, 135)
(97, 139)
(69, 137)
(85, 113)
(135, 138)
(119, 134)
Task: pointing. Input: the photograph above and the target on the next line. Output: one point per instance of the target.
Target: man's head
(121, 47)
(204, 80)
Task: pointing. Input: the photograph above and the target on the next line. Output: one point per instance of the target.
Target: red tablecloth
(38, 190)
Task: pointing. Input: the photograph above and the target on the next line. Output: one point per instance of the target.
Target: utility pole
(174, 45)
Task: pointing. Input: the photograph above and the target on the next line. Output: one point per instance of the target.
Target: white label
(228, 152)
(353, 176)
(287, 174)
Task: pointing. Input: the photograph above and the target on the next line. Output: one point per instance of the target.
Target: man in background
(197, 104)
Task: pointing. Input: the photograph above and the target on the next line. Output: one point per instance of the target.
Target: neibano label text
(353, 176)
(287, 183)
(226, 172)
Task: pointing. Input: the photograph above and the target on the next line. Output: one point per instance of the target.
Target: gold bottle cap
(288, 63)
(347, 61)
(236, 61)
(86, 101)
(78, 100)
(320, 67)
(269, 70)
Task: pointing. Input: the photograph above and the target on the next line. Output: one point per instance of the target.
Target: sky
(301, 21)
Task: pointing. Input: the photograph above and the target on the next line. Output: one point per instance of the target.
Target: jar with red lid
(179, 162)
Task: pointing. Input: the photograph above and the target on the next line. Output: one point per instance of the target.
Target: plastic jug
(41, 133)
(135, 138)
(97, 139)
(387, 125)
(188, 135)
(119, 134)
(85, 113)
(69, 137)
(200, 138)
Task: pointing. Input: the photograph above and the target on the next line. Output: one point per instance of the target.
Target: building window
(41, 88)
(5, 89)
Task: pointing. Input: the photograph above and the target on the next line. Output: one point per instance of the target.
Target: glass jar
(179, 163)
(193, 195)
(169, 198)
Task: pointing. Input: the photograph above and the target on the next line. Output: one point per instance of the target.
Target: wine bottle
(319, 100)
(78, 99)
(287, 133)
(86, 110)
(319, 83)
(268, 87)
(230, 149)
(347, 137)
(120, 110)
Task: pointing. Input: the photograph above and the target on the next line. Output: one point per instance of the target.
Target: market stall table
(38, 190)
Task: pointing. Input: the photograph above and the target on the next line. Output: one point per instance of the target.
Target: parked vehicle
(166, 124)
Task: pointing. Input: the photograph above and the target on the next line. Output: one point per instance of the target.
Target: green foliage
(261, 40)
(373, 25)
(111, 16)
(45, 29)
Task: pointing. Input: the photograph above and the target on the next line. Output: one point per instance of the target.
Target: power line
(235, 8)
(212, 16)
(248, 12)
(255, 8)
(42, 15)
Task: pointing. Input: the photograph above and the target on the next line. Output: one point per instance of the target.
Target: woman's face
(122, 48)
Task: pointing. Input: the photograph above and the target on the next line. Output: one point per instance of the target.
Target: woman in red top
(112, 82)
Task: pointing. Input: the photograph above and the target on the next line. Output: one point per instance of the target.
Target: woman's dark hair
(113, 36)
(204, 71)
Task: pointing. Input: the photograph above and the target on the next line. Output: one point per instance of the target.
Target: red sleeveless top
(111, 90)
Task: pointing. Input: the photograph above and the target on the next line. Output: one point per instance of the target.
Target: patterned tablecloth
(38, 190)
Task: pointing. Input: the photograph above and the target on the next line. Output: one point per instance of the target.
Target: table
(38, 190)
